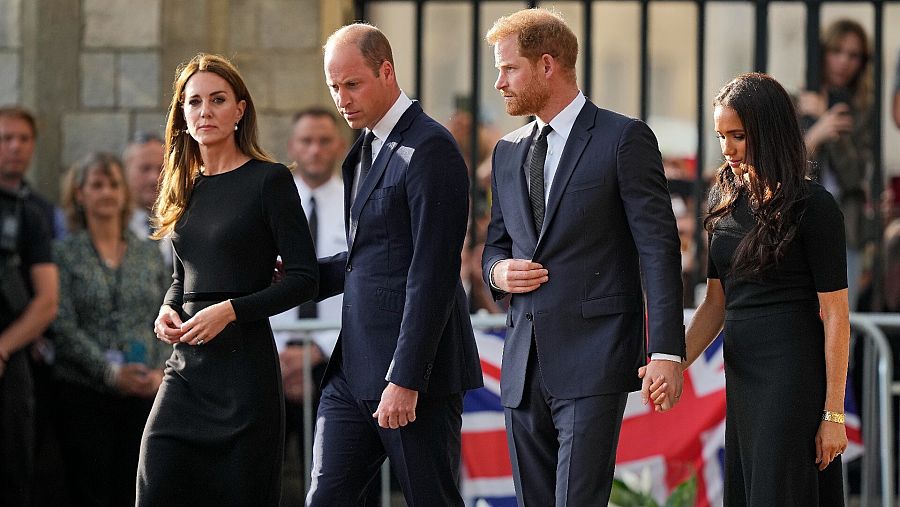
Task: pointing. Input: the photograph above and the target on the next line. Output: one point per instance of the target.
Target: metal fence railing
(878, 426)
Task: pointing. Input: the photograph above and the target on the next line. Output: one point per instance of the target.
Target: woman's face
(103, 194)
(211, 109)
(732, 139)
(844, 61)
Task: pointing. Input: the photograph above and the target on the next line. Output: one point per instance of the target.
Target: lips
(734, 163)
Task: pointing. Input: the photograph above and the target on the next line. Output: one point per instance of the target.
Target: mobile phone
(838, 96)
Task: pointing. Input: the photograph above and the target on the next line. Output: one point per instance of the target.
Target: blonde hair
(77, 176)
(183, 161)
(539, 31)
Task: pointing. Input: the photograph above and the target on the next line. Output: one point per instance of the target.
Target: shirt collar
(387, 123)
(563, 122)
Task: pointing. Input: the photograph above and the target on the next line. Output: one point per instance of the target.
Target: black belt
(212, 296)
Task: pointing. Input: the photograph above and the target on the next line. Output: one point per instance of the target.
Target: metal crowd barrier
(877, 415)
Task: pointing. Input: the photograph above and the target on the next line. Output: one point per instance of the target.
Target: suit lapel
(379, 165)
(578, 140)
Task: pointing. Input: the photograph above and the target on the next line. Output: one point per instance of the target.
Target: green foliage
(684, 495)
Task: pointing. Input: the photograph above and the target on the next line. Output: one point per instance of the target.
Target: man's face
(360, 96)
(315, 146)
(519, 80)
(16, 148)
(143, 164)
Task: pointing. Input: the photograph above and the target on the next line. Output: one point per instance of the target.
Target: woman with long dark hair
(215, 434)
(777, 283)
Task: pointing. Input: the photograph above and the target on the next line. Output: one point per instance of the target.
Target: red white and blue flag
(656, 451)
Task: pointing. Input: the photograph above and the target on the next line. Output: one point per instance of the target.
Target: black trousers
(16, 431)
(350, 447)
(100, 437)
(563, 452)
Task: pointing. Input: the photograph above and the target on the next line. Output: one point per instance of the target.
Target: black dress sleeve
(711, 271)
(175, 294)
(825, 248)
(286, 223)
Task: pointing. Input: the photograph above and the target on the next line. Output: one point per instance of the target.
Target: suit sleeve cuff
(665, 357)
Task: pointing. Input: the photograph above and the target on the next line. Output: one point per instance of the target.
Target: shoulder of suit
(522, 132)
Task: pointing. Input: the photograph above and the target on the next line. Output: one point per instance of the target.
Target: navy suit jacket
(405, 317)
(608, 218)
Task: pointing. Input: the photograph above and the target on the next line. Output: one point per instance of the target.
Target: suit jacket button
(529, 316)
(349, 268)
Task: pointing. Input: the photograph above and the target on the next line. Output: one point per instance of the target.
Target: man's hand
(518, 276)
(663, 381)
(397, 407)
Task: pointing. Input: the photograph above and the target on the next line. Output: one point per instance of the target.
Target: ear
(387, 71)
(241, 106)
(547, 65)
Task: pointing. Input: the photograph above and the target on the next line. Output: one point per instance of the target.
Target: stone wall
(96, 71)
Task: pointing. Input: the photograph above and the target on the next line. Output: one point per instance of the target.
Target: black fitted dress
(775, 360)
(215, 434)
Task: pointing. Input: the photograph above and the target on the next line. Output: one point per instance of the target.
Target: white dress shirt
(382, 130)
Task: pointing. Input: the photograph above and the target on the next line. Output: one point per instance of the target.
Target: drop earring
(235, 127)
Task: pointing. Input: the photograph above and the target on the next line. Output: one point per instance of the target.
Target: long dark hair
(776, 157)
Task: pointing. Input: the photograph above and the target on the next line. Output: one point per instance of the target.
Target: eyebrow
(211, 94)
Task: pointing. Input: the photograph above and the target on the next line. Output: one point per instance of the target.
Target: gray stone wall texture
(96, 71)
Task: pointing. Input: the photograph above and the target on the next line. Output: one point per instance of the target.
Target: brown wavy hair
(183, 161)
(776, 155)
(77, 176)
(860, 86)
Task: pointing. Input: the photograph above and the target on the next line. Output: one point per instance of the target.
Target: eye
(193, 102)
(219, 100)
(739, 137)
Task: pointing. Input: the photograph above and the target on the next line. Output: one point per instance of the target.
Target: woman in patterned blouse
(108, 362)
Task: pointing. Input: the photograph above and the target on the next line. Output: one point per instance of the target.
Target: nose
(728, 147)
(341, 98)
(500, 83)
(204, 109)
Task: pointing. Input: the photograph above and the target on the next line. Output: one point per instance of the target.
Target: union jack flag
(656, 451)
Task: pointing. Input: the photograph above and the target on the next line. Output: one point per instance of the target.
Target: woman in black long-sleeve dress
(777, 282)
(215, 434)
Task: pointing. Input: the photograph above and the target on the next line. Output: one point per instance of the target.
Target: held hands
(202, 328)
(831, 440)
(518, 276)
(663, 382)
(397, 407)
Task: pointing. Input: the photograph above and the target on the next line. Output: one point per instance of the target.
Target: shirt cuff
(491, 278)
(665, 357)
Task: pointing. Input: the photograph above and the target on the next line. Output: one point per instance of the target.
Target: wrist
(491, 277)
(834, 417)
